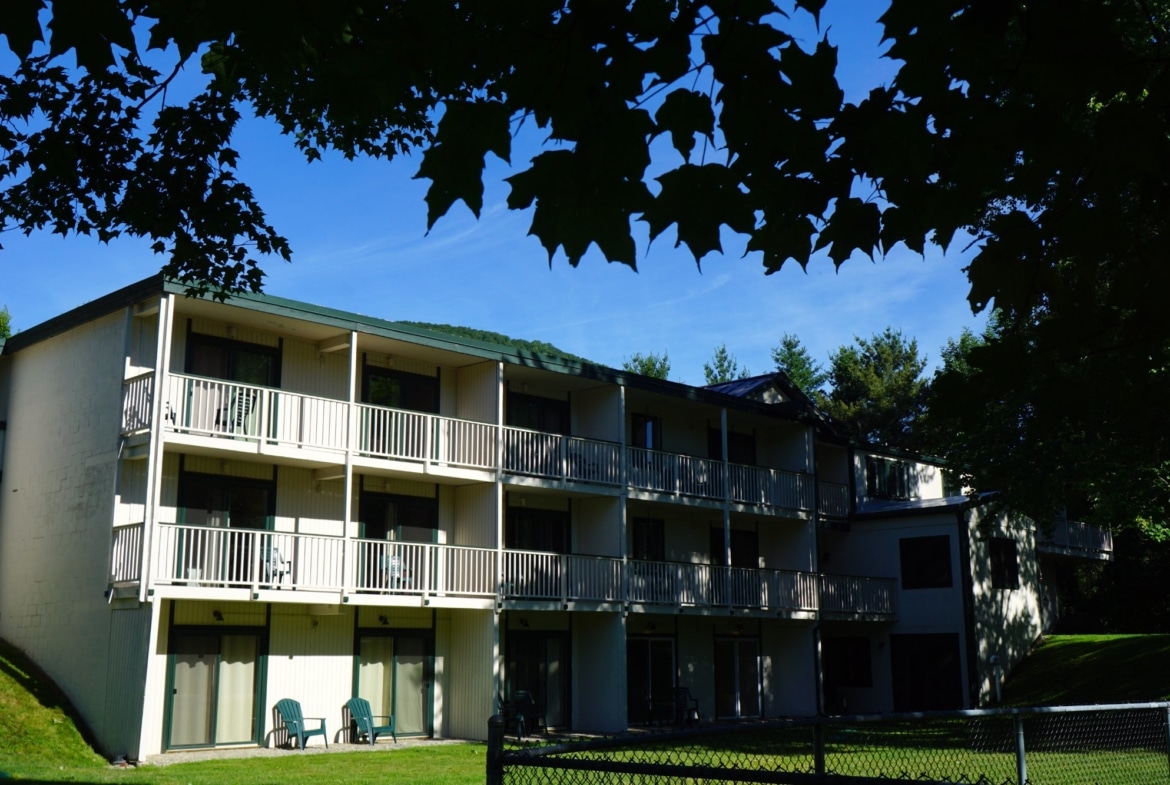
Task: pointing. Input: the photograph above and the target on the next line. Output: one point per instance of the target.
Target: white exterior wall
(787, 544)
(304, 369)
(479, 394)
(599, 672)
(476, 515)
(787, 446)
(310, 659)
(473, 672)
(597, 526)
(599, 413)
(787, 669)
(60, 468)
(1007, 621)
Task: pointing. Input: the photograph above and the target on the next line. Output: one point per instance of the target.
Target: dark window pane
(1005, 564)
(926, 562)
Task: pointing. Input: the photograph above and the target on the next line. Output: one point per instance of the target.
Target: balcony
(191, 559)
(1075, 538)
(249, 417)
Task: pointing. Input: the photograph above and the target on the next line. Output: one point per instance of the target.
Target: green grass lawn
(39, 740)
(1069, 670)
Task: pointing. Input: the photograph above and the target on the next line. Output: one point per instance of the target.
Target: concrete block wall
(56, 506)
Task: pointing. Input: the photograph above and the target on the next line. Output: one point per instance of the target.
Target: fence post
(1168, 735)
(1021, 765)
(819, 747)
(495, 750)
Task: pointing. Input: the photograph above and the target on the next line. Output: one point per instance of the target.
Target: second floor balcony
(198, 560)
(268, 419)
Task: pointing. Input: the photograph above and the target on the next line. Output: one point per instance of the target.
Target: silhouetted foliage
(876, 389)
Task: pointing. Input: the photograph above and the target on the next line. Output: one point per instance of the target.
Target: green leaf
(454, 163)
(92, 28)
(20, 24)
(685, 113)
(854, 225)
(700, 200)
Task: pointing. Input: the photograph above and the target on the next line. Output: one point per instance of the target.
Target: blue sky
(358, 231)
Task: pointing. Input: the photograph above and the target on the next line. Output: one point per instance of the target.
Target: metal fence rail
(1075, 745)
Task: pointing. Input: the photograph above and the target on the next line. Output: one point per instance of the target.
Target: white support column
(155, 452)
(726, 499)
(351, 425)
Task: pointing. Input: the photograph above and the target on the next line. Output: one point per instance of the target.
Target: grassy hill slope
(36, 720)
(1068, 670)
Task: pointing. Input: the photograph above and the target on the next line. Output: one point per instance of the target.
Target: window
(649, 540)
(745, 548)
(386, 516)
(1005, 564)
(549, 415)
(886, 478)
(234, 361)
(926, 562)
(741, 447)
(846, 662)
(225, 501)
(531, 529)
(646, 431)
(400, 390)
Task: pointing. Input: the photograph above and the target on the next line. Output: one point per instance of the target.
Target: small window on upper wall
(1005, 563)
(926, 562)
(886, 478)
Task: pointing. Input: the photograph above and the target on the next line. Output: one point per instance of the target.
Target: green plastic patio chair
(363, 720)
(294, 722)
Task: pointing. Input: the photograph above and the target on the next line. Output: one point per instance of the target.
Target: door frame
(259, 695)
(427, 636)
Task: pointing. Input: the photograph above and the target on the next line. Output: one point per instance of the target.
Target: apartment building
(208, 506)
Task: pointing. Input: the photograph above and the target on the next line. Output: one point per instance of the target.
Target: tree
(723, 367)
(877, 388)
(652, 364)
(98, 149)
(5, 323)
(1037, 127)
(793, 359)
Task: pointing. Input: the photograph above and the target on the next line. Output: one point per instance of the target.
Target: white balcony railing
(126, 553)
(772, 487)
(424, 569)
(198, 556)
(1076, 538)
(853, 594)
(533, 575)
(834, 499)
(136, 402)
(666, 472)
(214, 407)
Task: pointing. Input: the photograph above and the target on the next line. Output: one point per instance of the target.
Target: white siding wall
(787, 669)
(143, 345)
(130, 502)
(58, 487)
(305, 370)
(1007, 621)
(476, 515)
(310, 658)
(786, 446)
(599, 413)
(787, 544)
(599, 672)
(308, 506)
(125, 678)
(471, 670)
(597, 526)
(479, 394)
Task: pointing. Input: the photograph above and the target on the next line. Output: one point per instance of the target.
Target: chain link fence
(1125, 744)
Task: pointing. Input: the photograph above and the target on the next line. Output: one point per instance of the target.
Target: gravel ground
(314, 748)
